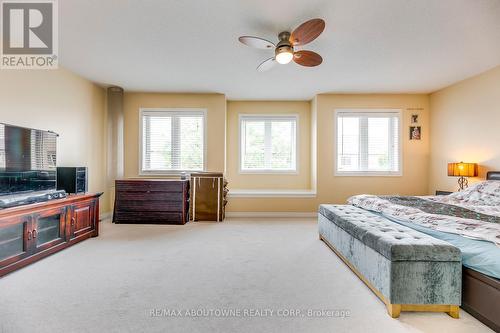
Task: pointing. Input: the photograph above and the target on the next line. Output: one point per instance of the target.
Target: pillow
(486, 193)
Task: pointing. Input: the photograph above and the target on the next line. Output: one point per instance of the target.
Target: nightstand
(443, 192)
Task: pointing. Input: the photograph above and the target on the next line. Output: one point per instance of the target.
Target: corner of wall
(463, 118)
(314, 143)
(225, 134)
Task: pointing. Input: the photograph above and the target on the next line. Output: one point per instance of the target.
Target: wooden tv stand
(31, 232)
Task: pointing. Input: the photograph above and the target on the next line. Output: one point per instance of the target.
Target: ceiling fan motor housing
(283, 49)
(284, 45)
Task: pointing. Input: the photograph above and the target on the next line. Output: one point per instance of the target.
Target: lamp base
(463, 183)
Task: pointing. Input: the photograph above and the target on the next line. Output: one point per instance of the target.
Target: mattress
(479, 255)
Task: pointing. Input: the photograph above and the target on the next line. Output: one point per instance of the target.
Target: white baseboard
(109, 215)
(271, 214)
(104, 216)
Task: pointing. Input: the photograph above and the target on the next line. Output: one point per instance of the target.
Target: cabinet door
(15, 239)
(49, 228)
(207, 199)
(82, 219)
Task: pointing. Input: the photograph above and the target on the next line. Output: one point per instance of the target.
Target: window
(172, 140)
(368, 142)
(268, 143)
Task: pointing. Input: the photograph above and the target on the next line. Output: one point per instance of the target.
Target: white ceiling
(369, 46)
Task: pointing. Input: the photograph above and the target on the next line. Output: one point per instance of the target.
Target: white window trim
(399, 173)
(170, 111)
(278, 116)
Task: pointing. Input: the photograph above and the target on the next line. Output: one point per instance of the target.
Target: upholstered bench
(406, 269)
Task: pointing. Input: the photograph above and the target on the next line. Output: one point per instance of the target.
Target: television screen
(27, 159)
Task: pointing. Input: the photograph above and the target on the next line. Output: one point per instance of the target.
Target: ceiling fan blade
(267, 65)
(259, 43)
(307, 32)
(307, 58)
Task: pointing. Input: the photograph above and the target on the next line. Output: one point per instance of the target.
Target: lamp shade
(462, 169)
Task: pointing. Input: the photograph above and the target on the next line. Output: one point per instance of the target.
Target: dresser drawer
(150, 205)
(149, 196)
(149, 217)
(149, 186)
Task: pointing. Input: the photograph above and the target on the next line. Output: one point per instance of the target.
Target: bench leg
(394, 310)
(454, 311)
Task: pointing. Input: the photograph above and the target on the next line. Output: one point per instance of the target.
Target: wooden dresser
(31, 232)
(151, 201)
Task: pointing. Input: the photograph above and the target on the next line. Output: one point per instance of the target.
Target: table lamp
(462, 170)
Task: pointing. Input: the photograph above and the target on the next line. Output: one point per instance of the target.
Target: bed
(470, 221)
(480, 292)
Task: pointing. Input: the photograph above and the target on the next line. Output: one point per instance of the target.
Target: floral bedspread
(482, 197)
(474, 213)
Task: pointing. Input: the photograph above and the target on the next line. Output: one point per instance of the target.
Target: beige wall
(334, 189)
(300, 180)
(75, 108)
(465, 126)
(216, 123)
(458, 128)
(415, 153)
(67, 104)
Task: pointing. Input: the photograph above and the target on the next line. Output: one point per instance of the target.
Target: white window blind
(172, 140)
(268, 143)
(368, 142)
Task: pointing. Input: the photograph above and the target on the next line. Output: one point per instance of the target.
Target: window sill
(170, 173)
(272, 193)
(269, 172)
(368, 174)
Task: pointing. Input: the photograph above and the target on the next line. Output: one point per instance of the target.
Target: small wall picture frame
(415, 133)
(414, 118)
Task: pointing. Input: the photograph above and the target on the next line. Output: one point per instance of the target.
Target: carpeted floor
(222, 277)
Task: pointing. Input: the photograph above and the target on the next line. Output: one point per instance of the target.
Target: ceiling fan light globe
(284, 57)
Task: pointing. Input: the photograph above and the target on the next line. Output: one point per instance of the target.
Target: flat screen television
(27, 160)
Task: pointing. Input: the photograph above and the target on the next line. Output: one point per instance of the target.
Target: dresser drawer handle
(34, 234)
(29, 235)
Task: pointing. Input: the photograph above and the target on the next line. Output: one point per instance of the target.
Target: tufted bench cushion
(394, 241)
(408, 270)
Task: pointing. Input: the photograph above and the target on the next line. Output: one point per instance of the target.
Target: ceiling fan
(284, 51)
